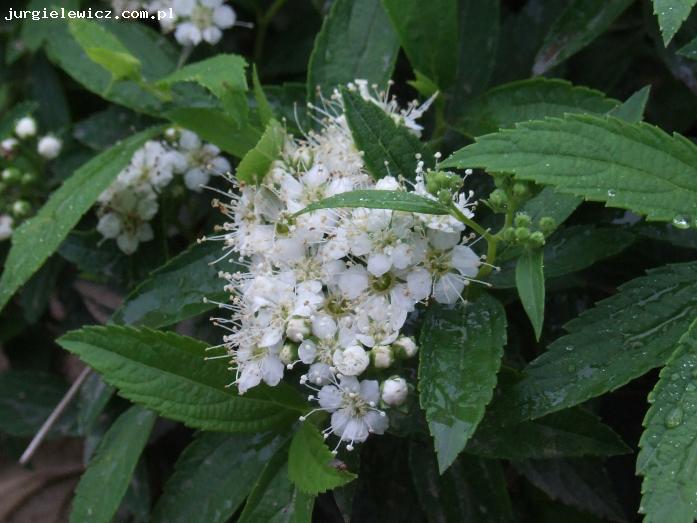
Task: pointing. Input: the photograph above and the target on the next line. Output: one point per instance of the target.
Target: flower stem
(263, 21)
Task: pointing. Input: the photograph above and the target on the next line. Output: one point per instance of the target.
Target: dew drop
(674, 418)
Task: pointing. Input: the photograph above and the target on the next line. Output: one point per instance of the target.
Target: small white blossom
(394, 391)
(25, 127)
(6, 222)
(49, 146)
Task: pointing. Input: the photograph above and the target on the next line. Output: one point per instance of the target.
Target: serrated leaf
(569, 433)
(310, 465)
(671, 15)
(263, 106)
(530, 282)
(460, 354)
(669, 442)
(427, 31)
(224, 76)
(36, 239)
(26, 400)
(274, 499)
(356, 42)
(689, 50)
(381, 139)
(632, 109)
(533, 99)
(580, 23)
(213, 476)
(167, 373)
(104, 483)
(257, 162)
(580, 483)
(619, 339)
(631, 166)
(572, 249)
(471, 488)
(379, 199)
(176, 290)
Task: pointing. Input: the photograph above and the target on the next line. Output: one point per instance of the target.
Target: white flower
(109, 225)
(49, 147)
(257, 364)
(200, 20)
(8, 145)
(394, 391)
(352, 404)
(351, 361)
(25, 127)
(6, 222)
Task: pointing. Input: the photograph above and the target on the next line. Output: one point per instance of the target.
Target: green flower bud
(522, 220)
(508, 234)
(28, 178)
(11, 175)
(444, 196)
(521, 190)
(522, 233)
(537, 239)
(498, 199)
(547, 224)
(21, 208)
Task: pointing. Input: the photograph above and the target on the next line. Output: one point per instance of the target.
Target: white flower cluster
(131, 201)
(332, 289)
(16, 186)
(196, 21)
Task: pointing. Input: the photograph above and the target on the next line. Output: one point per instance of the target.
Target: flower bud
(522, 233)
(522, 220)
(547, 224)
(307, 351)
(381, 356)
(537, 239)
(25, 127)
(394, 391)
(521, 190)
(498, 199)
(298, 329)
(6, 222)
(405, 347)
(28, 179)
(351, 361)
(8, 145)
(11, 175)
(508, 234)
(49, 147)
(21, 208)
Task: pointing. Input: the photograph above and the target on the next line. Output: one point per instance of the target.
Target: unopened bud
(522, 233)
(298, 329)
(394, 391)
(521, 190)
(547, 224)
(382, 356)
(405, 347)
(522, 220)
(288, 353)
(21, 208)
(11, 175)
(537, 239)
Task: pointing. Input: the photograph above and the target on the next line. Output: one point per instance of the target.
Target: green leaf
(669, 442)
(310, 465)
(381, 139)
(619, 339)
(477, 43)
(263, 106)
(356, 41)
(572, 249)
(473, 489)
(257, 162)
(632, 109)
(274, 499)
(105, 49)
(689, 50)
(378, 199)
(461, 348)
(213, 476)
(104, 483)
(580, 483)
(102, 129)
(508, 104)
(580, 23)
(93, 398)
(26, 400)
(530, 281)
(122, 66)
(36, 239)
(167, 373)
(427, 31)
(569, 433)
(671, 15)
(630, 166)
(176, 290)
(224, 76)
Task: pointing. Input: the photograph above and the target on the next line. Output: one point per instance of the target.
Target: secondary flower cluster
(23, 157)
(331, 289)
(131, 201)
(193, 21)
